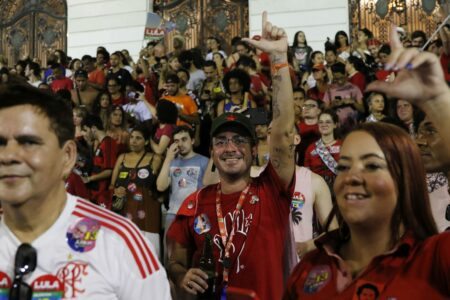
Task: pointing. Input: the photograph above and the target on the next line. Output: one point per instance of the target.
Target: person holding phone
(138, 110)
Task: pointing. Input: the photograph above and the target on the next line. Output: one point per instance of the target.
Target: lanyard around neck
(227, 240)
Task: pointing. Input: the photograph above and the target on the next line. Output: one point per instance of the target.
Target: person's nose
(9, 152)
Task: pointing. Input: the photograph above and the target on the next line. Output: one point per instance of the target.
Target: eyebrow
(365, 156)
(28, 137)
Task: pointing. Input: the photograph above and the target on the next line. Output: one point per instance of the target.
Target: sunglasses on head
(25, 263)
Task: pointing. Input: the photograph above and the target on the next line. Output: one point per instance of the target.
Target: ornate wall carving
(378, 15)
(198, 19)
(32, 27)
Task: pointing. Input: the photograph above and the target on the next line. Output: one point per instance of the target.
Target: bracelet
(276, 67)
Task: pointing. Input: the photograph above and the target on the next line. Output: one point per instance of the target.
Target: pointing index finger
(264, 22)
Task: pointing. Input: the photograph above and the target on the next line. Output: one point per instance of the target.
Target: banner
(156, 27)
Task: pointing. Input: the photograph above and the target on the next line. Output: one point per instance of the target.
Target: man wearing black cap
(83, 94)
(187, 109)
(246, 218)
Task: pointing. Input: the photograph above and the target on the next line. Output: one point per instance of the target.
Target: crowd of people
(312, 174)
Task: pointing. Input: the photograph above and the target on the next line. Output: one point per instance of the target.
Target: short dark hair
(167, 111)
(173, 78)
(367, 32)
(183, 70)
(419, 33)
(184, 128)
(91, 121)
(246, 61)
(58, 112)
(210, 63)
(338, 68)
(241, 76)
(370, 287)
(35, 67)
(385, 48)
(144, 130)
(299, 90)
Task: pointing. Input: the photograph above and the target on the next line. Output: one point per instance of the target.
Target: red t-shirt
(61, 84)
(150, 88)
(167, 130)
(315, 94)
(310, 134)
(413, 270)
(316, 164)
(104, 159)
(76, 186)
(97, 77)
(120, 100)
(261, 232)
(359, 80)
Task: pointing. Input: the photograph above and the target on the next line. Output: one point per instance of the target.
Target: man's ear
(69, 157)
(297, 139)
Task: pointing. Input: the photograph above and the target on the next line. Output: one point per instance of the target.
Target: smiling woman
(385, 225)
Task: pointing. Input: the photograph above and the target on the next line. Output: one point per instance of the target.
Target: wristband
(276, 67)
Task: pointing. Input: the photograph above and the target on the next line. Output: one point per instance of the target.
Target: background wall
(115, 24)
(119, 24)
(319, 19)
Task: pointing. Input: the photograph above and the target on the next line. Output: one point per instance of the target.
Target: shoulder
(311, 147)
(190, 204)
(201, 158)
(122, 233)
(440, 243)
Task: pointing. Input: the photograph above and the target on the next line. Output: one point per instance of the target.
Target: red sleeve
(307, 162)
(359, 81)
(168, 131)
(179, 231)
(295, 281)
(445, 63)
(275, 180)
(76, 187)
(109, 149)
(442, 262)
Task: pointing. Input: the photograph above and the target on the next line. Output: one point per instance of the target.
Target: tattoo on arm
(275, 105)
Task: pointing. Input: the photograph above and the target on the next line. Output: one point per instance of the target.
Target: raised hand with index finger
(273, 39)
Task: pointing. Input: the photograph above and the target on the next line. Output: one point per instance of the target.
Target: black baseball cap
(80, 73)
(233, 121)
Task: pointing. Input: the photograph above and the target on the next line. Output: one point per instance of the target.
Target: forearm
(163, 181)
(191, 119)
(102, 175)
(282, 153)
(176, 272)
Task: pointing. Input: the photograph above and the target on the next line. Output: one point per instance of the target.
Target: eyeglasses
(25, 263)
(237, 140)
(329, 122)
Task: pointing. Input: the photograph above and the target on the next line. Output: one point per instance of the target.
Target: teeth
(354, 196)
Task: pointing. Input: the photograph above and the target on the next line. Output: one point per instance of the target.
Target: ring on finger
(189, 284)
